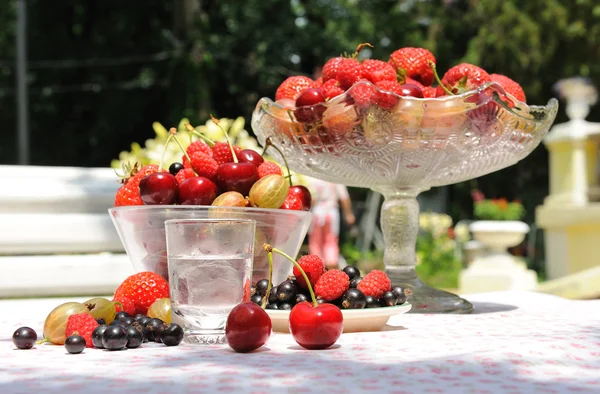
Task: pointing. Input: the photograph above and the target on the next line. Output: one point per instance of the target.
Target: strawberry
(349, 72)
(292, 202)
(413, 63)
(293, 86)
(82, 324)
(392, 86)
(330, 69)
(318, 82)
(222, 153)
(126, 305)
(429, 91)
(362, 94)
(199, 146)
(331, 89)
(184, 174)
(204, 165)
(267, 168)
(143, 289)
(511, 87)
(462, 78)
(377, 70)
(129, 192)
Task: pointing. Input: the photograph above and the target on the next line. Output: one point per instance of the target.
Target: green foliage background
(101, 72)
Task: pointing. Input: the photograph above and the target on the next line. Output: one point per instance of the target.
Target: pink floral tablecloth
(514, 343)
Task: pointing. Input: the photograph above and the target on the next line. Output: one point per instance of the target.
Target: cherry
(304, 194)
(248, 327)
(250, 156)
(159, 188)
(316, 327)
(308, 108)
(409, 89)
(197, 191)
(236, 177)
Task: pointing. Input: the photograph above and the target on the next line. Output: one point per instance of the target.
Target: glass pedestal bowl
(401, 146)
(142, 232)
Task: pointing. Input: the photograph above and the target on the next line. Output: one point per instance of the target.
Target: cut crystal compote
(401, 146)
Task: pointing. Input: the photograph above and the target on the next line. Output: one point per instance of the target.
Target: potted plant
(498, 225)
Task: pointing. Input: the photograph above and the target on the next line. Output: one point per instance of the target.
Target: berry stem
(180, 146)
(268, 248)
(269, 143)
(204, 138)
(216, 121)
(44, 340)
(437, 78)
(172, 132)
(270, 285)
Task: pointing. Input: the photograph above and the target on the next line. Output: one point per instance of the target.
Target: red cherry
(250, 156)
(236, 177)
(308, 106)
(248, 327)
(409, 89)
(159, 188)
(304, 194)
(316, 327)
(197, 191)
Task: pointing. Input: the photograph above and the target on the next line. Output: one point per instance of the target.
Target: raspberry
(184, 174)
(375, 284)
(199, 146)
(332, 284)
(143, 289)
(128, 305)
(222, 153)
(268, 168)
(313, 267)
(82, 324)
(204, 165)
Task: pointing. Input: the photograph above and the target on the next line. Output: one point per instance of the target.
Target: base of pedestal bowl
(426, 299)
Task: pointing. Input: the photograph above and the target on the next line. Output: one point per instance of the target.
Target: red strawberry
(184, 174)
(349, 72)
(331, 89)
(313, 267)
(511, 87)
(318, 83)
(127, 305)
(222, 153)
(362, 95)
(129, 192)
(377, 70)
(330, 69)
(292, 202)
(204, 165)
(392, 86)
(267, 168)
(292, 87)
(82, 324)
(429, 91)
(462, 78)
(143, 289)
(199, 146)
(413, 62)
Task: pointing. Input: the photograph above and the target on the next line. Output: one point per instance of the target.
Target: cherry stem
(437, 78)
(269, 143)
(181, 147)
(268, 248)
(193, 131)
(270, 284)
(216, 121)
(162, 157)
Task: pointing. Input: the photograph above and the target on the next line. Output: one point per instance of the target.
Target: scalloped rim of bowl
(192, 207)
(355, 320)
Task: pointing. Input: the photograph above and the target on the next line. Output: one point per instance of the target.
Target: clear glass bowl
(401, 146)
(142, 232)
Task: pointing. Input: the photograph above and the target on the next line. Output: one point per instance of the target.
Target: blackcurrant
(401, 293)
(158, 332)
(273, 296)
(371, 302)
(354, 282)
(272, 306)
(256, 298)
(75, 344)
(151, 326)
(175, 168)
(389, 299)
(285, 306)
(252, 290)
(354, 299)
(351, 271)
(286, 291)
(114, 337)
(172, 335)
(261, 286)
(135, 337)
(100, 321)
(118, 322)
(321, 300)
(121, 315)
(301, 298)
(143, 320)
(97, 336)
(24, 337)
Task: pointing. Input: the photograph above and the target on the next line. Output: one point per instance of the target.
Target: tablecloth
(515, 342)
